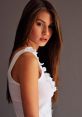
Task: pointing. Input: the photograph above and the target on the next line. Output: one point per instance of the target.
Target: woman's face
(41, 29)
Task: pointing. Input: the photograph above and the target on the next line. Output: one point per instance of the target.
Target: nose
(46, 31)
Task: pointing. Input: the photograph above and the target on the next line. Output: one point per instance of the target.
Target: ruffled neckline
(49, 78)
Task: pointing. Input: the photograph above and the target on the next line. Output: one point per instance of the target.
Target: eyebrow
(42, 20)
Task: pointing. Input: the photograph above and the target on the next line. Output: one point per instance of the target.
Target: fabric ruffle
(50, 79)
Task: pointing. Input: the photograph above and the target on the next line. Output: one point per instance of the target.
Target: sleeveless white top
(45, 83)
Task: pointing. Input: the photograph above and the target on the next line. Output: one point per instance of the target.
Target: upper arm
(28, 77)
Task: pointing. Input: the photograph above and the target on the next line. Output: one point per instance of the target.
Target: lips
(43, 39)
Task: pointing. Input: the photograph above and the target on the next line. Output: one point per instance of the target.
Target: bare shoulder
(29, 58)
(27, 65)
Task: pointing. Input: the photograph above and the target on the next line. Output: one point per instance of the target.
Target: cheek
(35, 32)
(32, 34)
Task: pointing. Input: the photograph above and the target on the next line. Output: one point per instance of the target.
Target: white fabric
(45, 83)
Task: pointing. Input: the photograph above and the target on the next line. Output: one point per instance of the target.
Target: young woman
(33, 65)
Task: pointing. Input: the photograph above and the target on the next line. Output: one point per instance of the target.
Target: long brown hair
(50, 53)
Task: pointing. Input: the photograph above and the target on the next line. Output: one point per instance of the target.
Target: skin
(29, 70)
(40, 29)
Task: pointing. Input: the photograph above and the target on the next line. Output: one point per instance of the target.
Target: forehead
(45, 16)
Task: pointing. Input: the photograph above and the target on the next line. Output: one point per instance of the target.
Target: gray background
(70, 85)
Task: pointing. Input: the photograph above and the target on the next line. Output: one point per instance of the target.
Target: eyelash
(39, 24)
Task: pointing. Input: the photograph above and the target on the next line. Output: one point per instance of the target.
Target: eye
(51, 26)
(39, 24)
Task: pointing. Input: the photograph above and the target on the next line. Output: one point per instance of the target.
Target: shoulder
(27, 65)
(27, 59)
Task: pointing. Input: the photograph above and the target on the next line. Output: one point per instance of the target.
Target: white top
(45, 83)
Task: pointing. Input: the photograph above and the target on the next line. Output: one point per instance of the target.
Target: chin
(42, 45)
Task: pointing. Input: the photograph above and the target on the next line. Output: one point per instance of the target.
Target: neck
(32, 44)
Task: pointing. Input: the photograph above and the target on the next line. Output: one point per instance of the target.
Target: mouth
(43, 39)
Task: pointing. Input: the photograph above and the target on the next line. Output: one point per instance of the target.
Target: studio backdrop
(70, 70)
